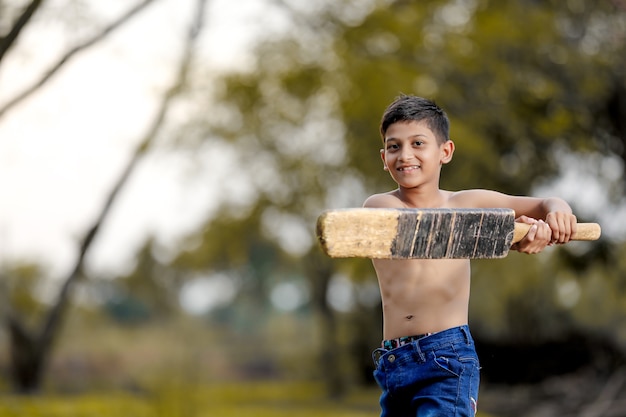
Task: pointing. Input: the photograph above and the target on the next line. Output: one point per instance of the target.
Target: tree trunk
(319, 271)
(26, 358)
(30, 352)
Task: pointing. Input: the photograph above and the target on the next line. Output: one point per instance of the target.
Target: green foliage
(148, 291)
(519, 92)
(565, 289)
(238, 248)
(522, 81)
(22, 286)
(513, 88)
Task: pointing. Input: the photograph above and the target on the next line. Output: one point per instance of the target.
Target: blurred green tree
(524, 82)
(148, 292)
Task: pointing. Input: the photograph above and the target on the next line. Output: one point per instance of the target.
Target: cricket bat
(381, 233)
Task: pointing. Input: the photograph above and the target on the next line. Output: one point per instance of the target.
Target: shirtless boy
(427, 365)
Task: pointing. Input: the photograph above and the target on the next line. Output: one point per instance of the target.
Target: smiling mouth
(409, 168)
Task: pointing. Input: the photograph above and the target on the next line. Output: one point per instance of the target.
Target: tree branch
(51, 325)
(71, 53)
(7, 41)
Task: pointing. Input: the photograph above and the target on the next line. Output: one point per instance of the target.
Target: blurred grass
(258, 399)
(183, 368)
(232, 399)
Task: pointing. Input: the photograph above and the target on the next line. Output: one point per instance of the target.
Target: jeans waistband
(401, 341)
(455, 334)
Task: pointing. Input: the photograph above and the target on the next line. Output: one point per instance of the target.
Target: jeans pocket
(448, 363)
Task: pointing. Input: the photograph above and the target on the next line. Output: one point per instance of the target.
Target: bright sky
(63, 149)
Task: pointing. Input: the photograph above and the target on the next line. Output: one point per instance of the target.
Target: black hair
(407, 108)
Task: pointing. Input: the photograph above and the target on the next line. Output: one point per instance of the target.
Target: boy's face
(412, 154)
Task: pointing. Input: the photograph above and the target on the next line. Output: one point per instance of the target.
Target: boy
(427, 365)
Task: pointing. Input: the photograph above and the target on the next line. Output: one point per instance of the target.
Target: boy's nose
(406, 155)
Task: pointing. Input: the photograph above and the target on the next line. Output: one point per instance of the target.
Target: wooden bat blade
(416, 233)
(425, 233)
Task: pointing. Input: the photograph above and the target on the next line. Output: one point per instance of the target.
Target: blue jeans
(437, 375)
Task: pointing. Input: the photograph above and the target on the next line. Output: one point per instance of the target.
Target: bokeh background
(162, 165)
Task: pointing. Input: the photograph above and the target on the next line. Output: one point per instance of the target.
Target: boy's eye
(418, 143)
(392, 146)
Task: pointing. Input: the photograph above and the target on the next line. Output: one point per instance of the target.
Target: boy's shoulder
(395, 199)
(389, 199)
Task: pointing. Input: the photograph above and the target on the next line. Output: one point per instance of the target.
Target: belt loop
(376, 355)
(418, 350)
(466, 334)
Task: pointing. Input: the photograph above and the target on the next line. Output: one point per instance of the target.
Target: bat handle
(584, 231)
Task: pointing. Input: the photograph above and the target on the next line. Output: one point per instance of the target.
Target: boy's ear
(447, 150)
(382, 156)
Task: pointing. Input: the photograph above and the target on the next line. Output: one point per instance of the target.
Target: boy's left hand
(562, 226)
(538, 237)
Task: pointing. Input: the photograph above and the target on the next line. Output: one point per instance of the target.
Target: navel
(409, 317)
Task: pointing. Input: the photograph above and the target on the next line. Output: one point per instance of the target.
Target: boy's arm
(553, 212)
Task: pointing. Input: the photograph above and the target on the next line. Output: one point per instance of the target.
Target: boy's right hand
(538, 237)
